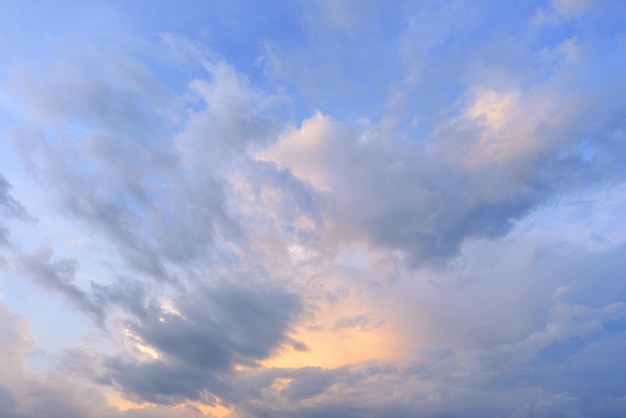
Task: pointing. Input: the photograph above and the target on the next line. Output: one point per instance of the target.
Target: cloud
(394, 195)
(211, 332)
(29, 394)
(443, 238)
(57, 276)
(23, 395)
(10, 206)
(510, 150)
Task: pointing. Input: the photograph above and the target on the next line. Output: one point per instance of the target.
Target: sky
(312, 208)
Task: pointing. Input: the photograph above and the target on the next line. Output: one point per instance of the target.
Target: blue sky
(312, 209)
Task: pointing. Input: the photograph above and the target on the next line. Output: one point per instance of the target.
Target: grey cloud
(8, 404)
(10, 206)
(565, 362)
(98, 301)
(108, 173)
(37, 394)
(58, 276)
(4, 236)
(84, 93)
(307, 383)
(199, 345)
(127, 294)
(161, 206)
(373, 391)
(249, 322)
(393, 194)
(160, 198)
(7, 401)
(404, 200)
(111, 197)
(157, 381)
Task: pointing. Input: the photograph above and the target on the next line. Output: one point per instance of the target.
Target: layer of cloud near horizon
(312, 209)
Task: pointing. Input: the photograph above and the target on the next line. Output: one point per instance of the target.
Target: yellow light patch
(331, 349)
(141, 347)
(116, 400)
(218, 410)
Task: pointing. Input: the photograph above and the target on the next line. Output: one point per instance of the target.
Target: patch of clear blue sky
(239, 31)
(348, 72)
